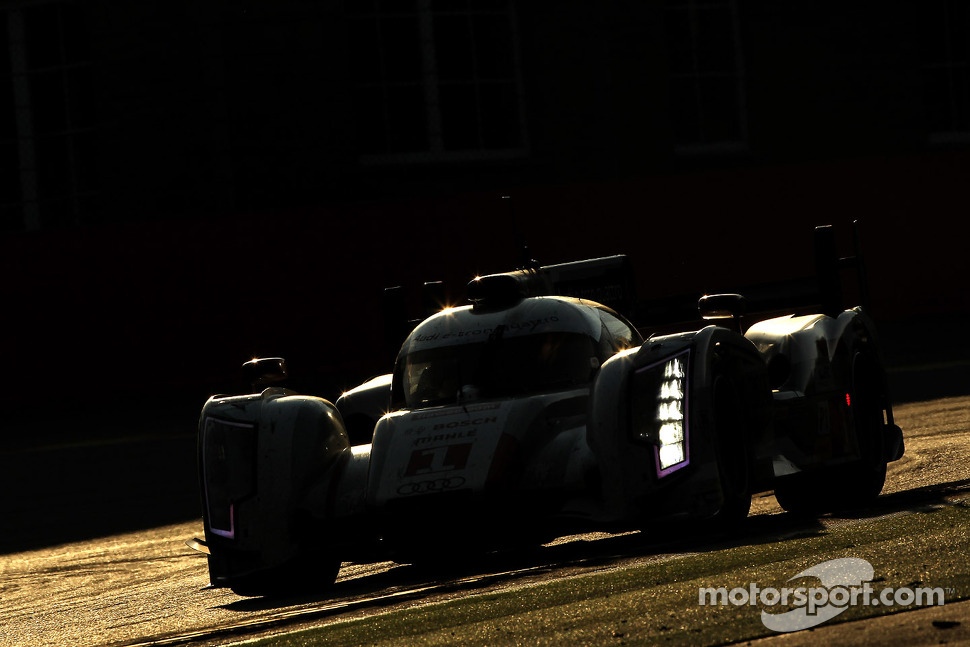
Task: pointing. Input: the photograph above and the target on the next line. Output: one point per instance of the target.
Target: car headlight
(228, 471)
(659, 413)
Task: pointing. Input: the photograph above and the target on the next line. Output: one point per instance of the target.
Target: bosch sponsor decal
(463, 425)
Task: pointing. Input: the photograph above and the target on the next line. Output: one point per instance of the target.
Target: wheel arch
(631, 475)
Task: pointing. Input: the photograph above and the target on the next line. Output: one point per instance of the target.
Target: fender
(362, 406)
(634, 477)
(811, 363)
(259, 456)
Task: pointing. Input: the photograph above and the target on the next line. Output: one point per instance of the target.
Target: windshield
(499, 367)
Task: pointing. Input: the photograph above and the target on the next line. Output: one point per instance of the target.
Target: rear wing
(839, 282)
(607, 280)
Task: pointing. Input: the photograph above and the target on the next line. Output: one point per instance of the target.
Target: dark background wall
(208, 188)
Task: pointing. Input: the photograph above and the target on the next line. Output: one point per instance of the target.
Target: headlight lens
(660, 411)
(228, 471)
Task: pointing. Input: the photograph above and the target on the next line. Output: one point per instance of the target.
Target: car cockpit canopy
(534, 345)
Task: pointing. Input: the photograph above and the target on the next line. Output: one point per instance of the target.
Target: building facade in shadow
(186, 184)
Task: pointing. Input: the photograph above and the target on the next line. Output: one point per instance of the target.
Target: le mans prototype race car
(528, 413)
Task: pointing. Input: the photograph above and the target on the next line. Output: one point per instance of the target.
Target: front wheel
(732, 456)
(300, 575)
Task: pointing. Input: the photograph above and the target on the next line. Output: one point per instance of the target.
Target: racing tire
(804, 495)
(855, 484)
(864, 480)
(731, 453)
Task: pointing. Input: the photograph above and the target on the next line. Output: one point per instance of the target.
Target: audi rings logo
(426, 487)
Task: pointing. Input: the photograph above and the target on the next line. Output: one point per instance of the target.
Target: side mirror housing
(262, 372)
(722, 307)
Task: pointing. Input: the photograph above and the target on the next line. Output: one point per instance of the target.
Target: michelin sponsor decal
(468, 335)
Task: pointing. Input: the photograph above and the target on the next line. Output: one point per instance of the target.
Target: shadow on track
(409, 582)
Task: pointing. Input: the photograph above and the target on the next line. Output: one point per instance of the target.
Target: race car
(530, 412)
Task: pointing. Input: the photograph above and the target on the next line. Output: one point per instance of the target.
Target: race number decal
(444, 458)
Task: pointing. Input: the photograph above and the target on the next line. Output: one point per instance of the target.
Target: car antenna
(526, 262)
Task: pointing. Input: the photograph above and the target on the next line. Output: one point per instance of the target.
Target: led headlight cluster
(660, 411)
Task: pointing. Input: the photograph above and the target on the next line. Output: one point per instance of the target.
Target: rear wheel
(859, 482)
(866, 478)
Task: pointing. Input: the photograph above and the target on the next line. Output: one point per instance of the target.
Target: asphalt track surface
(94, 548)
